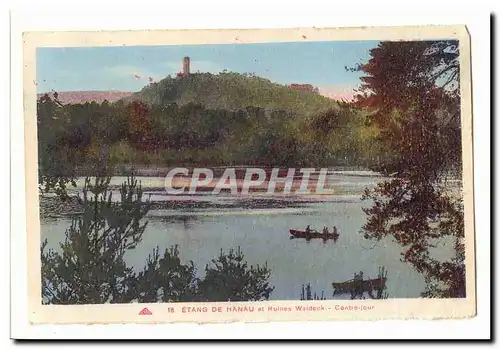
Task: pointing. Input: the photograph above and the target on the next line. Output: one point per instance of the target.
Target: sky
(129, 68)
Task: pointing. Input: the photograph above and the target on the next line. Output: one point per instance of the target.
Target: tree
(139, 115)
(56, 163)
(307, 295)
(90, 268)
(412, 89)
(166, 279)
(412, 92)
(230, 279)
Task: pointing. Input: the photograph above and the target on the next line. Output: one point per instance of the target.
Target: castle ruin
(186, 66)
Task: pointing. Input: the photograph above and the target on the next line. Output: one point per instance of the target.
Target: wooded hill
(231, 91)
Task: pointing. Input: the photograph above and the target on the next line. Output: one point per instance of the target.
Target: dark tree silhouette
(307, 294)
(56, 163)
(167, 279)
(412, 92)
(229, 278)
(91, 267)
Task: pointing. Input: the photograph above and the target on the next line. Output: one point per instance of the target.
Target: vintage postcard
(249, 175)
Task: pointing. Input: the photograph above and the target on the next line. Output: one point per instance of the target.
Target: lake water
(261, 229)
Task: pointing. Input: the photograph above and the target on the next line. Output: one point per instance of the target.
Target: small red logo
(145, 311)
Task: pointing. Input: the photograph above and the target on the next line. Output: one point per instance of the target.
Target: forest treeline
(291, 129)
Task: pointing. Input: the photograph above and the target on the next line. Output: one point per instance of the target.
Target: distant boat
(299, 234)
(350, 285)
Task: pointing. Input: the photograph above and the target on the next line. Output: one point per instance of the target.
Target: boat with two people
(314, 234)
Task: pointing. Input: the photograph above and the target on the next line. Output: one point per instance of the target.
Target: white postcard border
(123, 313)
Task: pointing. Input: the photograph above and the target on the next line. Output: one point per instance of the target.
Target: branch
(53, 295)
(439, 73)
(450, 79)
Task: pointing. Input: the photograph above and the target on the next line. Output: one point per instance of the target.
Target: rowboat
(349, 286)
(299, 234)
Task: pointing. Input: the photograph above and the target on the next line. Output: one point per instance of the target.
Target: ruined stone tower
(185, 66)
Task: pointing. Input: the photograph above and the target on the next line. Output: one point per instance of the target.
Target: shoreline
(144, 170)
(53, 206)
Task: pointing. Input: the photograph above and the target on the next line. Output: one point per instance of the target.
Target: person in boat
(335, 232)
(357, 289)
(325, 230)
(308, 229)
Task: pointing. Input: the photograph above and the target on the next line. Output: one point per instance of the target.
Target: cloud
(119, 77)
(121, 71)
(57, 78)
(166, 68)
(339, 91)
(131, 75)
(206, 66)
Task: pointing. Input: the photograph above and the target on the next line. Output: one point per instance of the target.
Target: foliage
(166, 279)
(56, 161)
(411, 90)
(71, 135)
(306, 294)
(229, 278)
(341, 137)
(91, 268)
(94, 137)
